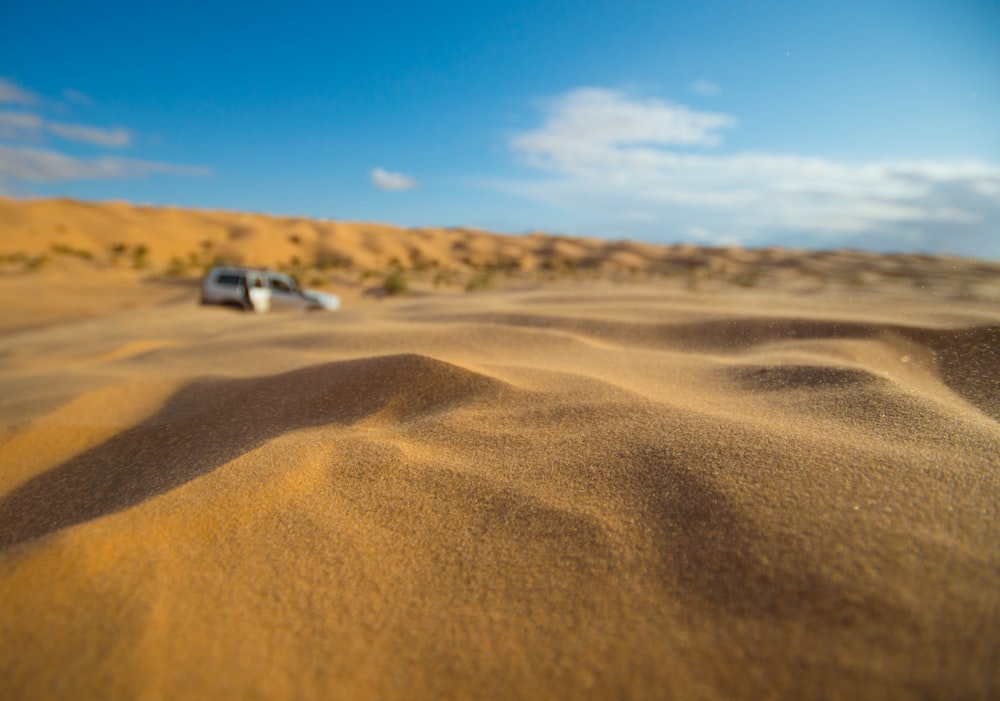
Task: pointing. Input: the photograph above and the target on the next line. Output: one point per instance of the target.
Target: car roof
(232, 269)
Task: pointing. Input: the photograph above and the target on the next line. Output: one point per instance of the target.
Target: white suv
(260, 290)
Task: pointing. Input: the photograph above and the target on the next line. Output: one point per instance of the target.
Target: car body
(260, 290)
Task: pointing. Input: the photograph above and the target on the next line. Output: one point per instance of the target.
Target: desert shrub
(394, 283)
(446, 277)
(293, 269)
(140, 257)
(748, 278)
(36, 262)
(481, 281)
(332, 261)
(116, 251)
(63, 249)
(509, 266)
(176, 268)
(240, 231)
(15, 258)
(422, 265)
(140, 263)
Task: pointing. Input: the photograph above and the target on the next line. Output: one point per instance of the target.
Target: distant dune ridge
(176, 243)
(671, 473)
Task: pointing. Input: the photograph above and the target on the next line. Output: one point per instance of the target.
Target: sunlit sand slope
(587, 492)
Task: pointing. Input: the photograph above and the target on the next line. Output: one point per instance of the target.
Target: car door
(258, 292)
(285, 293)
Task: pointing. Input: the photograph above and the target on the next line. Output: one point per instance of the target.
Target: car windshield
(281, 283)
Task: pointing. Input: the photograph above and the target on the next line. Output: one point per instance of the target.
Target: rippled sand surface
(575, 491)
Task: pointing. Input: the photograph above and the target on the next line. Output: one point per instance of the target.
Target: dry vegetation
(360, 258)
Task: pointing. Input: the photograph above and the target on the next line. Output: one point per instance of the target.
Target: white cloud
(77, 97)
(604, 153)
(43, 166)
(705, 87)
(386, 180)
(12, 93)
(26, 125)
(14, 125)
(22, 161)
(591, 126)
(114, 137)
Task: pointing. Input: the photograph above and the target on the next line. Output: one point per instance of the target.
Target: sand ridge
(573, 488)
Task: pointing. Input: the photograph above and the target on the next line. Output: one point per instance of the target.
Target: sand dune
(589, 487)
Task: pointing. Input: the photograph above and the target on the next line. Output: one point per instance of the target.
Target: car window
(281, 284)
(229, 280)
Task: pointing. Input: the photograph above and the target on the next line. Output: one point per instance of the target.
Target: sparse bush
(14, 258)
(332, 261)
(293, 269)
(240, 231)
(63, 249)
(176, 268)
(140, 257)
(394, 283)
(509, 266)
(36, 262)
(422, 265)
(748, 278)
(446, 277)
(481, 281)
(116, 251)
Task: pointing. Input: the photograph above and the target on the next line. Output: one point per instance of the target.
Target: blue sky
(809, 124)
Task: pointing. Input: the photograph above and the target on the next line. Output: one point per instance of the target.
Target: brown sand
(568, 489)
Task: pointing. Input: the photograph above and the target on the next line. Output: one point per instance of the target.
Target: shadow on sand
(211, 422)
